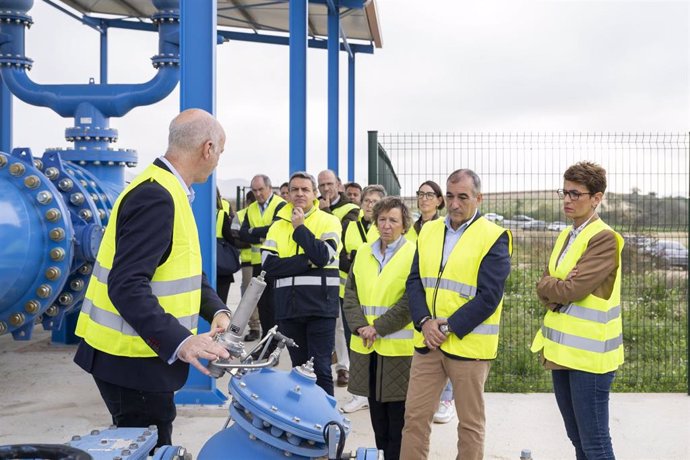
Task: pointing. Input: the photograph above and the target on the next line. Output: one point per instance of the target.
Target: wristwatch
(423, 320)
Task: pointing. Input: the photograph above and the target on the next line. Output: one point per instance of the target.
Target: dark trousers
(133, 408)
(387, 418)
(223, 286)
(316, 339)
(583, 399)
(265, 304)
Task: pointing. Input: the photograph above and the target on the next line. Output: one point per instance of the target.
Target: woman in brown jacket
(376, 309)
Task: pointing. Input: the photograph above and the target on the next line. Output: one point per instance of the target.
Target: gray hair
(374, 188)
(303, 175)
(265, 178)
(189, 130)
(458, 174)
(393, 202)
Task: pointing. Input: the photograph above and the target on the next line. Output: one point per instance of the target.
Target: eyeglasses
(426, 195)
(572, 194)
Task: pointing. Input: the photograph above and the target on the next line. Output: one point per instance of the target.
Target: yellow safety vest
(220, 217)
(340, 213)
(378, 292)
(246, 253)
(586, 334)
(256, 219)
(353, 235)
(176, 283)
(450, 289)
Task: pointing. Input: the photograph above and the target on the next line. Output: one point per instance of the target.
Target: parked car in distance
(493, 217)
(534, 224)
(557, 226)
(670, 253)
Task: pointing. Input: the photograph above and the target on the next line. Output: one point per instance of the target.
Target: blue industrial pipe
(198, 90)
(62, 201)
(5, 117)
(104, 53)
(333, 86)
(298, 85)
(351, 117)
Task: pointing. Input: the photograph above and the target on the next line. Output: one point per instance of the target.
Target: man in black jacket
(139, 318)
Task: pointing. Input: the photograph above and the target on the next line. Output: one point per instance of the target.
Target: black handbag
(227, 257)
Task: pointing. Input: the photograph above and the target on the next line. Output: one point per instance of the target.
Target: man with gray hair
(300, 255)
(138, 322)
(455, 291)
(258, 218)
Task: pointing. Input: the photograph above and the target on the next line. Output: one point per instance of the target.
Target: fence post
(373, 140)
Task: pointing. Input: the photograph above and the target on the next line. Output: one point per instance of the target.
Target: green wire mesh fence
(646, 201)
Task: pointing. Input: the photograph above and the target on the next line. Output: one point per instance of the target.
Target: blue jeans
(583, 399)
(447, 394)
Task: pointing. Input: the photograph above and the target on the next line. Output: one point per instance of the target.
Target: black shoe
(252, 336)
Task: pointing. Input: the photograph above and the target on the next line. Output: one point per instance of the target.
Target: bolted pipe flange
(52, 311)
(57, 234)
(17, 319)
(57, 254)
(53, 273)
(52, 173)
(65, 184)
(65, 299)
(76, 284)
(77, 199)
(32, 181)
(3, 160)
(85, 269)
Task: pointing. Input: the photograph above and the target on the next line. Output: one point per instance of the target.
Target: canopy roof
(261, 16)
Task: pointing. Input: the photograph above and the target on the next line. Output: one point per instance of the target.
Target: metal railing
(646, 201)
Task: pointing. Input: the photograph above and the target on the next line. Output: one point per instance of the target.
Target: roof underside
(261, 16)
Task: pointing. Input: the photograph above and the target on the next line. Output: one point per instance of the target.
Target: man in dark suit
(139, 319)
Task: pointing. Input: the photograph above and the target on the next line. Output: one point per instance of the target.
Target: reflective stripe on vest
(176, 283)
(158, 288)
(587, 334)
(458, 283)
(257, 219)
(306, 281)
(116, 322)
(378, 291)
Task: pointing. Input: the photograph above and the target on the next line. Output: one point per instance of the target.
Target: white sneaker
(445, 412)
(355, 404)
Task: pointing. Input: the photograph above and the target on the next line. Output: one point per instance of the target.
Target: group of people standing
(420, 303)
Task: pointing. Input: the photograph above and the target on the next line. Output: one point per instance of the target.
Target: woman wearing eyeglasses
(581, 340)
(430, 202)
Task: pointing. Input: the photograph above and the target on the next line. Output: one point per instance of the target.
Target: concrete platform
(46, 398)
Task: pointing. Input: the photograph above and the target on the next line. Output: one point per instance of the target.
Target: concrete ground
(46, 398)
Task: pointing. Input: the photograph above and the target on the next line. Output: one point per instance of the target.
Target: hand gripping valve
(231, 339)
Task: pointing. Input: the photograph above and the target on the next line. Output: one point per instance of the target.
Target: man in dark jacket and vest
(138, 322)
(300, 255)
(455, 292)
(257, 220)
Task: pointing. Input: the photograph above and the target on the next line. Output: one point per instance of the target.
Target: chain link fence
(646, 201)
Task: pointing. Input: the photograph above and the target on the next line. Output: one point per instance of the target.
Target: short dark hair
(589, 174)
(303, 175)
(458, 174)
(353, 184)
(284, 184)
(392, 202)
(437, 190)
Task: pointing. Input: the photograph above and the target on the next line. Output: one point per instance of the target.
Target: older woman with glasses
(376, 309)
(430, 202)
(581, 340)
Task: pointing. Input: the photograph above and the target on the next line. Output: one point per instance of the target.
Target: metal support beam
(198, 90)
(333, 84)
(351, 118)
(104, 53)
(298, 85)
(5, 118)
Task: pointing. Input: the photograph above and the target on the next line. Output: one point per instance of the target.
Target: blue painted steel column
(104, 53)
(198, 90)
(351, 118)
(333, 87)
(298, 85)
(5, 118)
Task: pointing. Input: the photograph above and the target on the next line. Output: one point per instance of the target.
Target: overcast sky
(445, 66)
